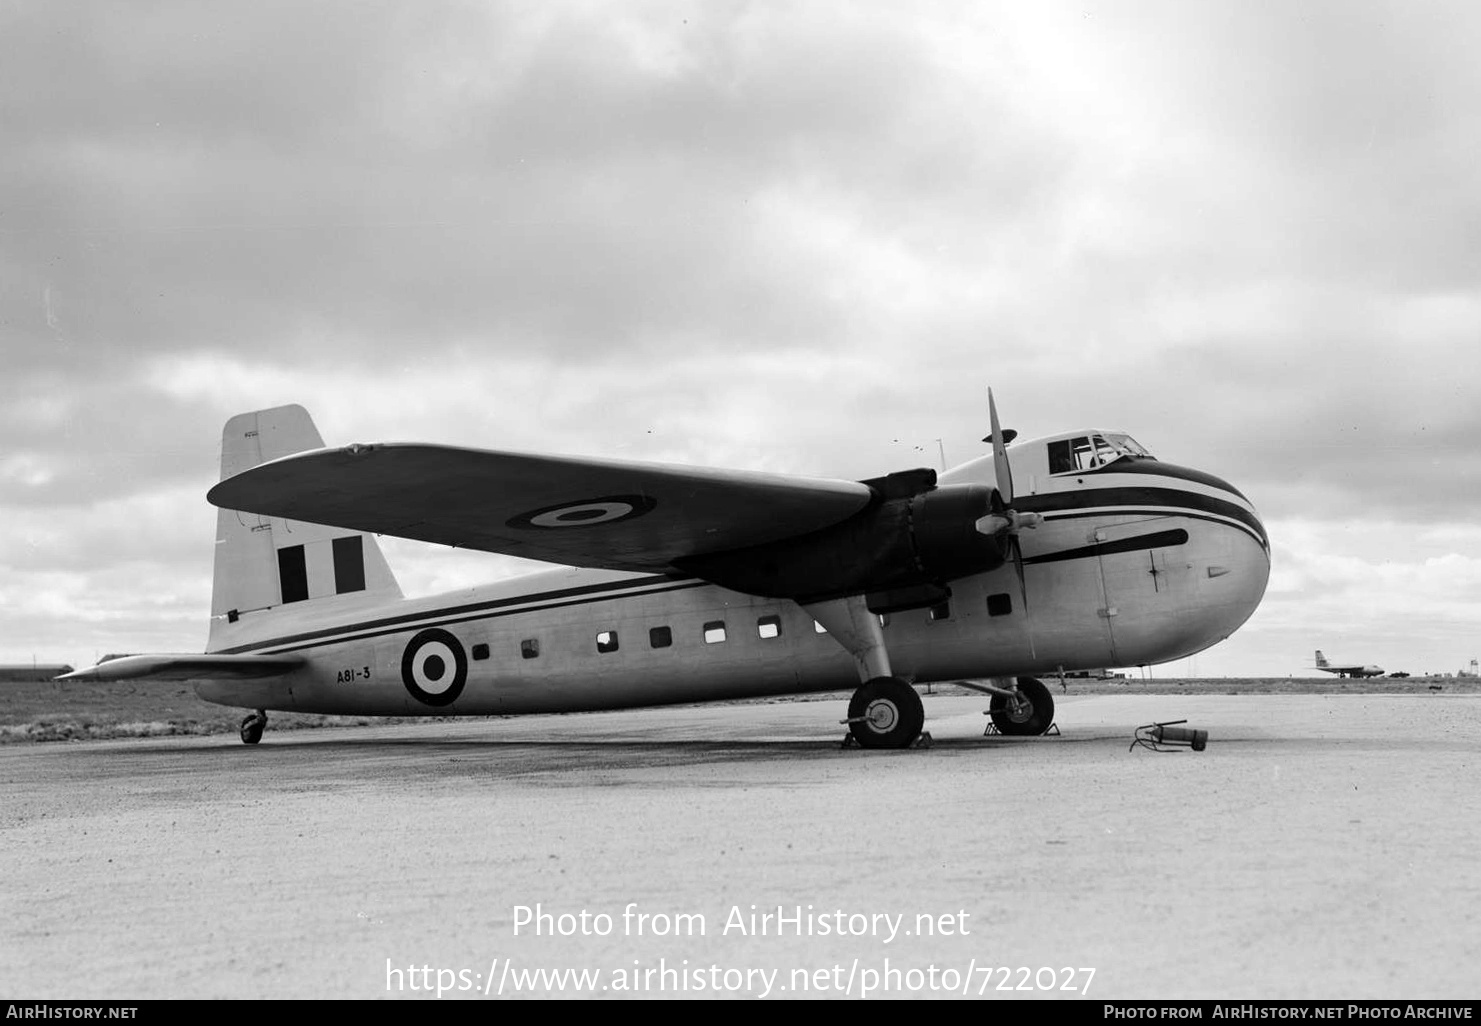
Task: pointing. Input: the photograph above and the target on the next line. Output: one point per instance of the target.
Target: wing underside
(619, 515)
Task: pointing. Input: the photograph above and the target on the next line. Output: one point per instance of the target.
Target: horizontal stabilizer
(188, 667)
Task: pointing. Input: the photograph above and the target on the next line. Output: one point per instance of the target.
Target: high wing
(609, 514)
(188, 667)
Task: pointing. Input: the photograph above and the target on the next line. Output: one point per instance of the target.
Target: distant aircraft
(1346, 671)
(702, 584)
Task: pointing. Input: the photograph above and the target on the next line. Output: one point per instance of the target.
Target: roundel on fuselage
(434, 667)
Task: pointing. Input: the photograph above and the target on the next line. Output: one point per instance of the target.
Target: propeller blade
(1003, 521)
(1018, 569)
(1000, 466)
(1028, 621)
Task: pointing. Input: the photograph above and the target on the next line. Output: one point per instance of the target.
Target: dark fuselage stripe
(1076, 503)
(477, 608)
(1164, 513)
(1158, 540)
(484, 615)
(1156, 468)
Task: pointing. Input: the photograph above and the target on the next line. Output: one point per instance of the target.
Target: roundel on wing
(434, 667)
(607, 509)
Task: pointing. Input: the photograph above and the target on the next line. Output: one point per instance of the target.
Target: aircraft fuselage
(1135, 562)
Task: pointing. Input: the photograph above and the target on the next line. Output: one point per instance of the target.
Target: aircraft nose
(1253, 542)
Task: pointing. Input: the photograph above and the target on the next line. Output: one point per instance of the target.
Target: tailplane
(268, 568)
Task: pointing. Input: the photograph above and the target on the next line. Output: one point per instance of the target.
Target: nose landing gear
(1027, 712)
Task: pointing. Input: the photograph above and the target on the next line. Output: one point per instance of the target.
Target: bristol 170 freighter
(688, 584)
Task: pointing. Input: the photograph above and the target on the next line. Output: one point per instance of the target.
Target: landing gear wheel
(253, 726)
(1029, 715)
(885, 713)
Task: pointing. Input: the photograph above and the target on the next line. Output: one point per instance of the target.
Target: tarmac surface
(1321, 847)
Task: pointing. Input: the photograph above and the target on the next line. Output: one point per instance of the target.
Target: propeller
(1003, 521)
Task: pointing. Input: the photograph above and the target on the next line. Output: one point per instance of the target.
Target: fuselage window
(480, 651)
(530, 648)
(819, 628)
(884, 619)
(769, 626)
(714, 632)
(941, 612)
(999, 605)
(607, 641)
(660, 637)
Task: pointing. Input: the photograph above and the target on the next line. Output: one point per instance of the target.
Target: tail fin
(1321, 660)
(266, 567)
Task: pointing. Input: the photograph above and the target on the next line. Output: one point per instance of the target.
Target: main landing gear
(253, 726)
(885, 712)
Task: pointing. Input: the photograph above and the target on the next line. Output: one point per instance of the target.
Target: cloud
(790, 237)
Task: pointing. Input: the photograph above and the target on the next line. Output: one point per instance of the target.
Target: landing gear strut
(1028, 714)
(253, 726)
(885, 712)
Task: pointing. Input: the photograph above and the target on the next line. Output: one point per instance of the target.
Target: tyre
(1030, 716)
(252, 728)
(885, 713)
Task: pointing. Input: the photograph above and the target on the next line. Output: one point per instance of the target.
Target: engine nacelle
(899, 542)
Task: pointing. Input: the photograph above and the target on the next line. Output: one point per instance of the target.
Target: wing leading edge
(608, 514)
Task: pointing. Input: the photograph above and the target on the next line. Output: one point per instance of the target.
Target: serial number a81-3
(349, 675)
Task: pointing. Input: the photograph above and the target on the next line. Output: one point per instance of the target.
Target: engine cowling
(898, 542)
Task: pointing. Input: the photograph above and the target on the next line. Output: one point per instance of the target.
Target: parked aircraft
(686, 584)
(1346, 671)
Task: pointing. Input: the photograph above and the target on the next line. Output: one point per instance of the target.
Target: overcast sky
(791, 236)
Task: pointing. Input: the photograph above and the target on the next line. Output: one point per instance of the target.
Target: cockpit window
(1073, 455)
(1069, 454)
(1127, 446)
